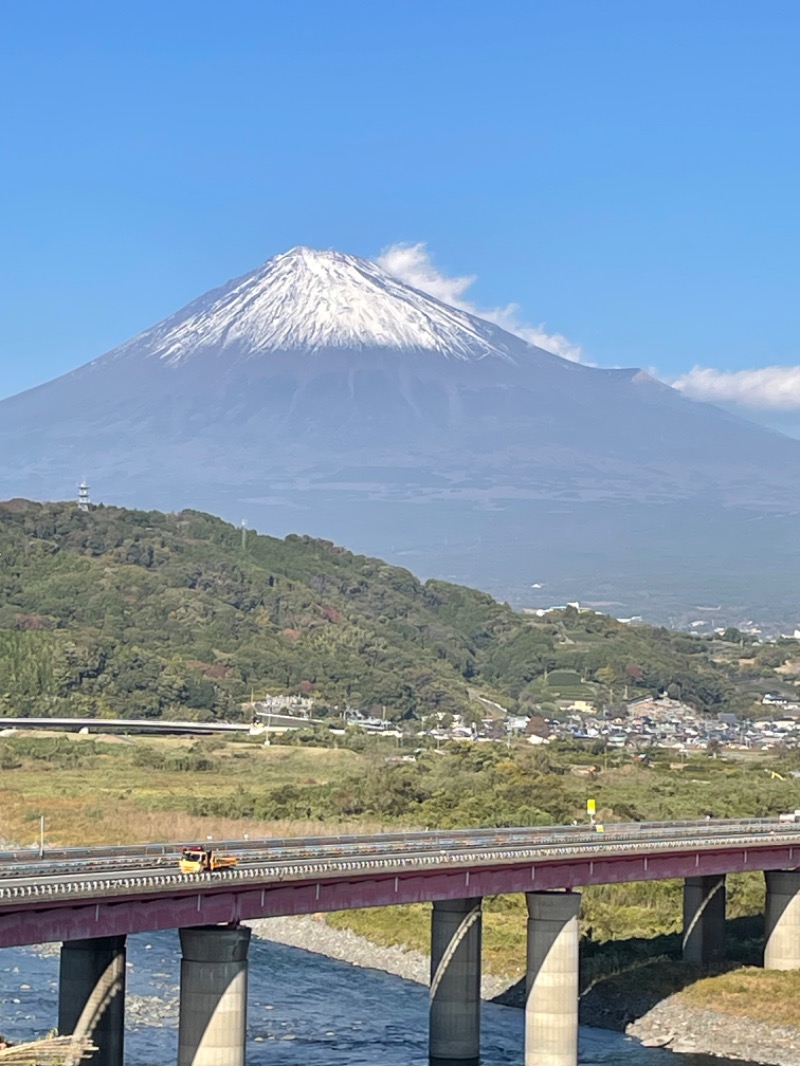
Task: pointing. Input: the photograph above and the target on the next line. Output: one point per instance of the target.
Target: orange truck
(199, 859)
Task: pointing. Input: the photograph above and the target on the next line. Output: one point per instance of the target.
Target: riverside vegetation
(143, 614)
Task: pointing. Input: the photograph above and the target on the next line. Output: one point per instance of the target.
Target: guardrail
(435, 838)
(320, 858)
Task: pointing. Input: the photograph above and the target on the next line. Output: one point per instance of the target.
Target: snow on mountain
(307, 300)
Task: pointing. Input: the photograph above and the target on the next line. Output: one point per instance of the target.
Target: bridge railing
(423, 840)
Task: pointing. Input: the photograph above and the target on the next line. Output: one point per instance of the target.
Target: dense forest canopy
(119, 612)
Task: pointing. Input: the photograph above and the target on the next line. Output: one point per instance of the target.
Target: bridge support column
(213, 1007)
(91, 995)
(551, 1004)
(455, 1003)
(704, 919)
(782, 920)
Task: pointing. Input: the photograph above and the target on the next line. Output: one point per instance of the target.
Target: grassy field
(116, 790)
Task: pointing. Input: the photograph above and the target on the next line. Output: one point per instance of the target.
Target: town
(646, 722)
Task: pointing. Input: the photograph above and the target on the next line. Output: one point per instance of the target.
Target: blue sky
(626, 173)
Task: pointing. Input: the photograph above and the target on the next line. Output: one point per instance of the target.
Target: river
(304, 1010)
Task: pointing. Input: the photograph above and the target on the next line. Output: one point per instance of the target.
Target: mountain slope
(319, 394)
(141, 613)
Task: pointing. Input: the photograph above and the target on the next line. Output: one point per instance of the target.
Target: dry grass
(72, 826)
(109, 799)
(750, 992)
(50, 1051)
(405, 927)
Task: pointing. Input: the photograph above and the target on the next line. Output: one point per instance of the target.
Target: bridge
(126, 725)
(92, 898)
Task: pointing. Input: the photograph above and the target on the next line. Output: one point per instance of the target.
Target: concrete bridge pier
(704, 919)
(455, 996)
(91, 995)
(551, 1004)
(782, 920)
(213, 1002)
(552, 998)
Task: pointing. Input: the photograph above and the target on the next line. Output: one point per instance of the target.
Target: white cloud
(775, 388)
(412, 264)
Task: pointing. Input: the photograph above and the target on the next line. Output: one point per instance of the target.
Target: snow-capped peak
(308, 300)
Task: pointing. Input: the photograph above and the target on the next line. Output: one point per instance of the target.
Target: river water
(304, 1010)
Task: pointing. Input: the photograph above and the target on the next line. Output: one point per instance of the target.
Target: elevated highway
(267, 723)
(74, 893)
(127, 725)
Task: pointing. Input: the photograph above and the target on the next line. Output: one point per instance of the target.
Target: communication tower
(83, 496)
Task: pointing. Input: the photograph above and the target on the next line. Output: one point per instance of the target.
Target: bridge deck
(77, 893)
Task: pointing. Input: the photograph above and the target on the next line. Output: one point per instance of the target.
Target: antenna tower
(83, 496)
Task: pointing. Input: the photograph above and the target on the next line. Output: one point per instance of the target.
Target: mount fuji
(320, 394)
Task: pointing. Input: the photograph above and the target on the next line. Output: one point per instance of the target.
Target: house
(576, 706)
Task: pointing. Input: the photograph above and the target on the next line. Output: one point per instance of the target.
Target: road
(126, 870)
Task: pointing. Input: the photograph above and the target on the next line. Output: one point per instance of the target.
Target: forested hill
(138, 613)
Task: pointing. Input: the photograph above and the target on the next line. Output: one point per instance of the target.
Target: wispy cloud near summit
(769, 388)
(412, 263)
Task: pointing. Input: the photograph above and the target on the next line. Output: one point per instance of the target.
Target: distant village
(634, 725)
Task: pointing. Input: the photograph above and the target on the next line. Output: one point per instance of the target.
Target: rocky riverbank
(692, 1029)
(667, 1023)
